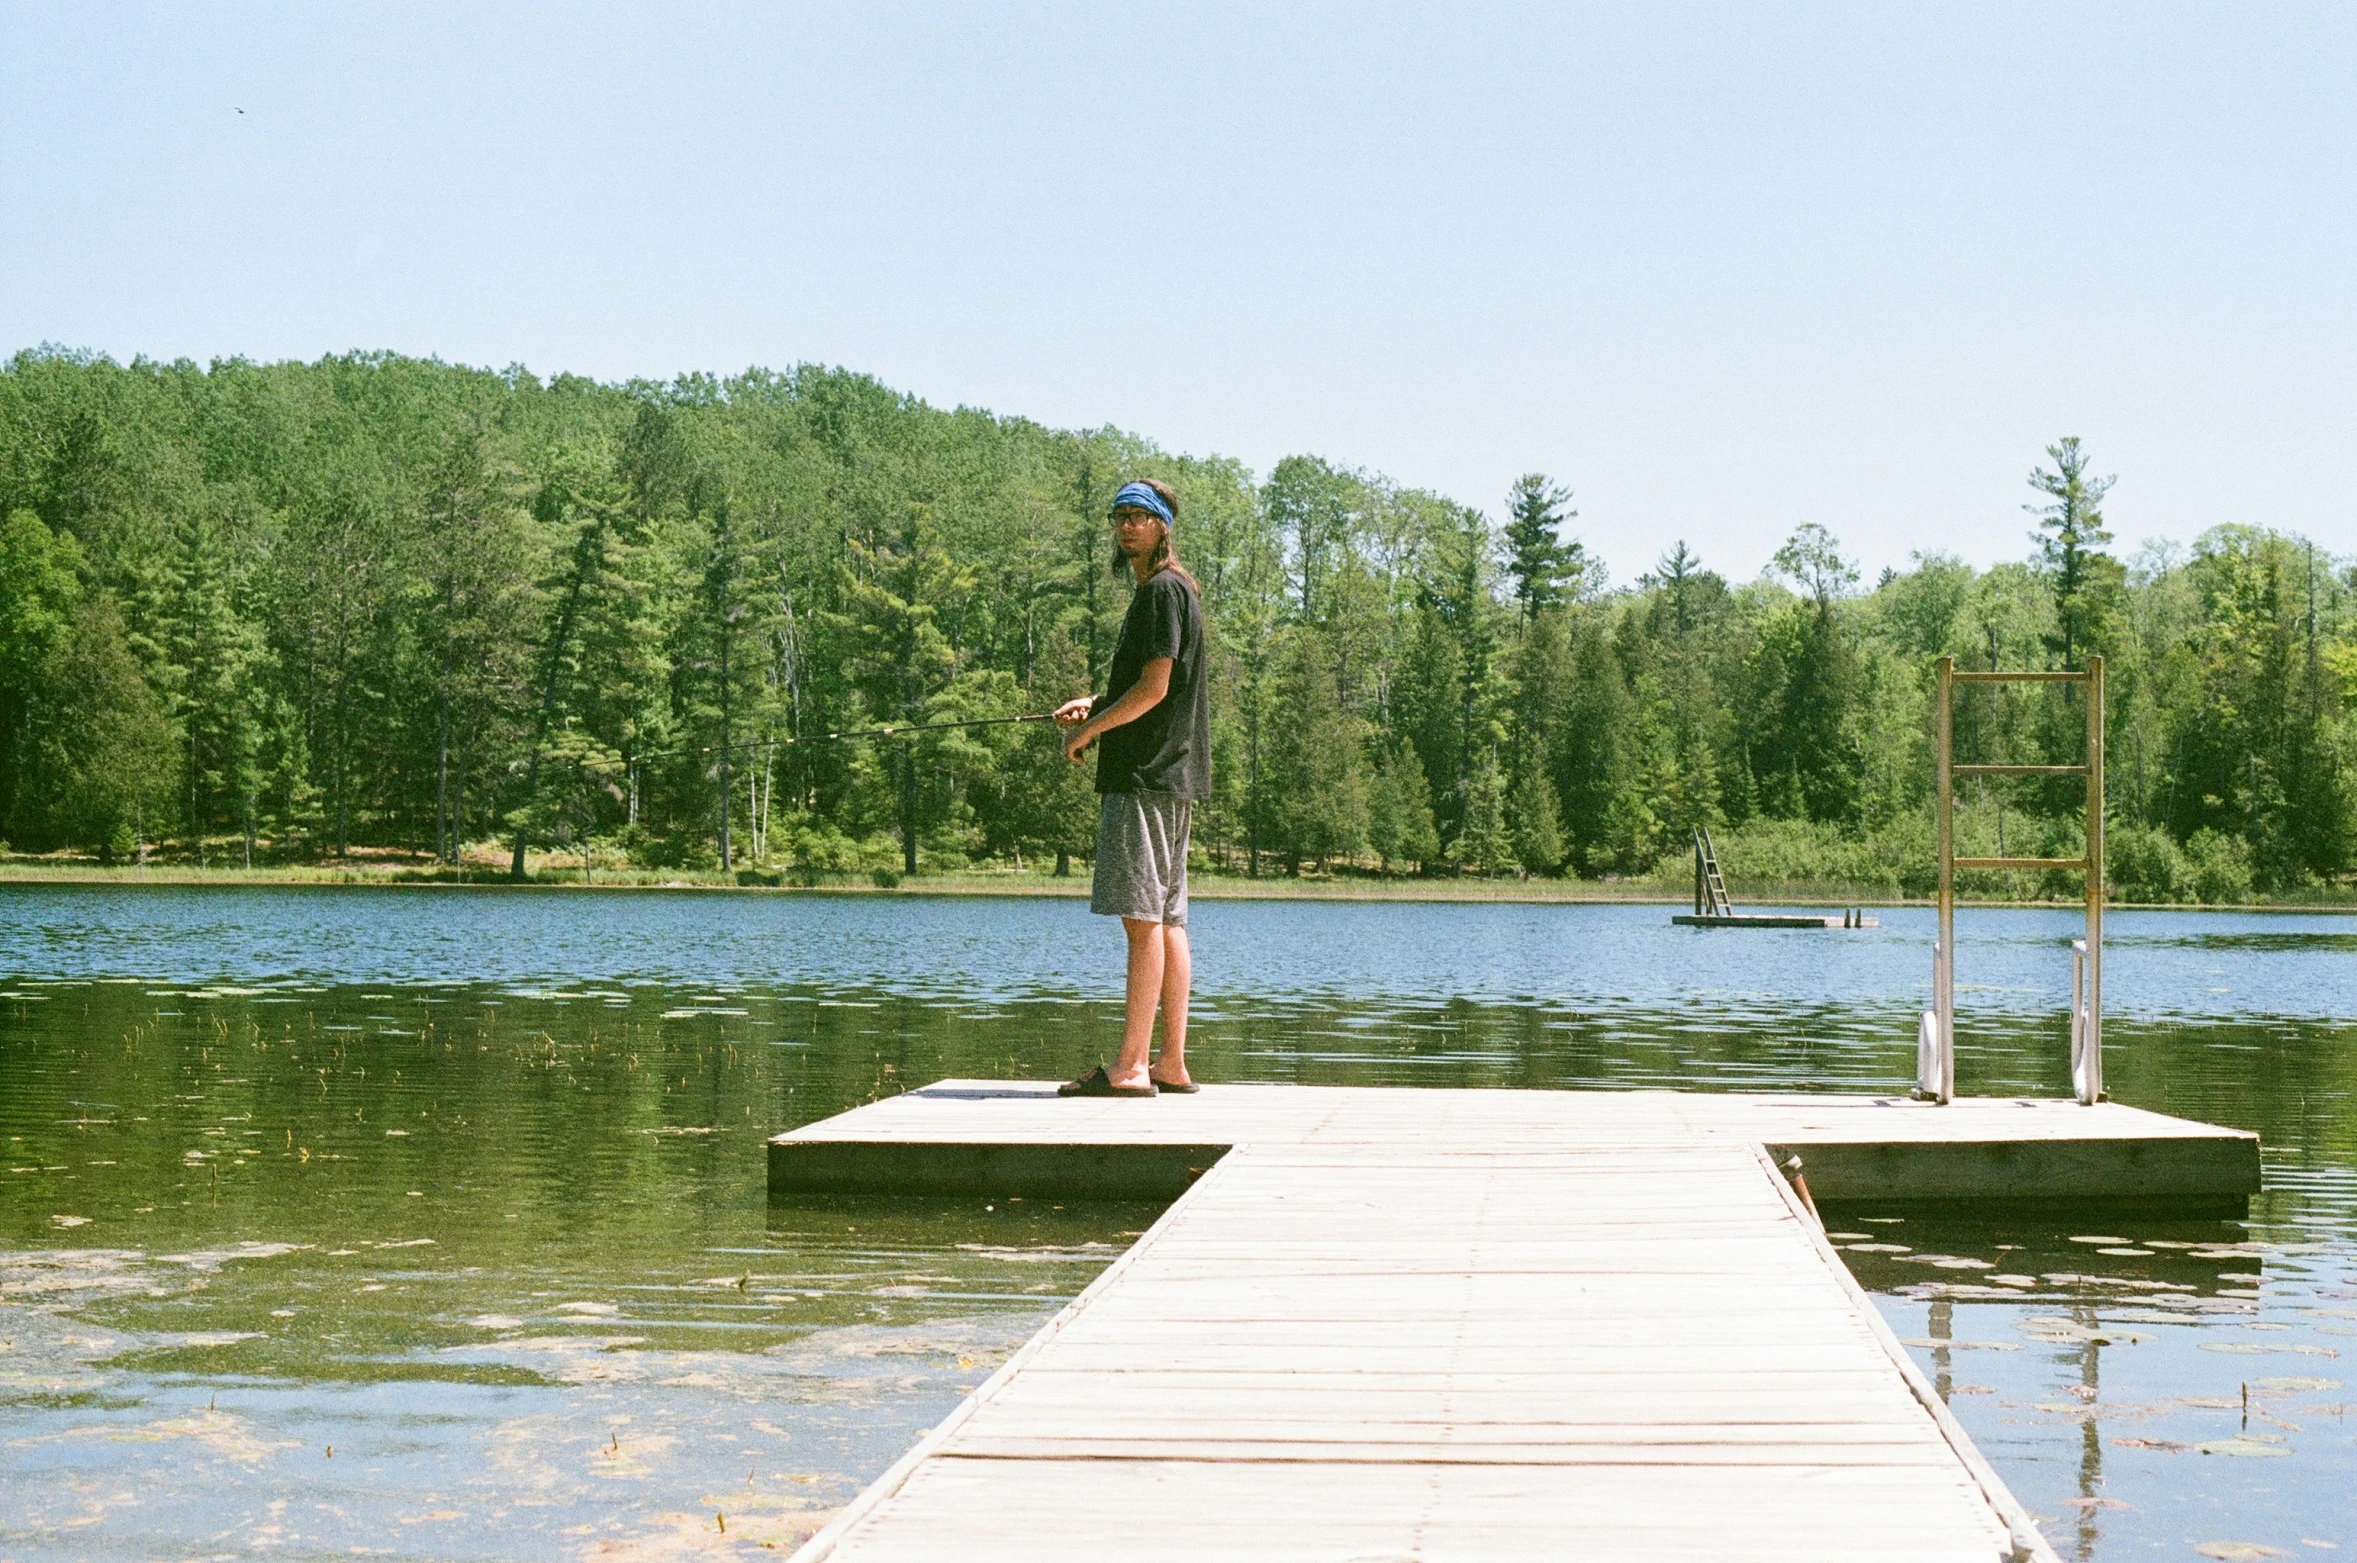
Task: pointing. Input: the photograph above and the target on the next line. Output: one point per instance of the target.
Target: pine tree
(1311, 507)
(1593, 751)
(1317, 782)
(1485, 845)
(1400, 828)
(574, 508)
(1535, 823)
(213, 649)
(1049, 804)
(894, 594)
(1544, 568)
(2070, 539)
(103, 759)
(1804, 749)
(38, 591)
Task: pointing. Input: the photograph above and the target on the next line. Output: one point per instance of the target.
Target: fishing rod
(842, 735)
(915, 727)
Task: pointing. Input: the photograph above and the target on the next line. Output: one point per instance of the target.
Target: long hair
(1164, 556)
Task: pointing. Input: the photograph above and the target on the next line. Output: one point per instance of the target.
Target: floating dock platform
(1393, 1324)
(1773, 920)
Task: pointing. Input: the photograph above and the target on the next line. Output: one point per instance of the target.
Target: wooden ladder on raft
(1710, 887)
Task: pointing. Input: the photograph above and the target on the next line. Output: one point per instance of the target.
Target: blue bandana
(1136, 496)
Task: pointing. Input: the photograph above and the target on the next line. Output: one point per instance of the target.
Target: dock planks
(1443, 1324)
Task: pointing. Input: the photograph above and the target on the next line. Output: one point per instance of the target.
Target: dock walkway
(1482, 1324)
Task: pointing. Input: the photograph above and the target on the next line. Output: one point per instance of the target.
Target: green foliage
(2141, 863)
(1535, 822)
(99, 755)
(1400, 828)
(383, 603)
(1485, 845)
(2070, 539)
(39, 587)
(1543, 567)
(1316, 796)
(1896, 859)
(2220, 864)
(1040, 804)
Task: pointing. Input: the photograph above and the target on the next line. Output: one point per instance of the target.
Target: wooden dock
(1393, 1324)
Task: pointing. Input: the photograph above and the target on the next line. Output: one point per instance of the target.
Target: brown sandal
(1098, 1083)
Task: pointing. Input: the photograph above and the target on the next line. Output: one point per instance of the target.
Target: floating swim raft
(1713, 908)
(1467, 1323)
(1848, 919)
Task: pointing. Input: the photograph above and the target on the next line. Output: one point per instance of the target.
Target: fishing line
(841, 736)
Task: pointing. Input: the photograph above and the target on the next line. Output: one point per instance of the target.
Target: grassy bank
(565, 872)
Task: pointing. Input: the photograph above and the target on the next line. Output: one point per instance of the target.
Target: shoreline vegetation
(556, 870)
(790, 627)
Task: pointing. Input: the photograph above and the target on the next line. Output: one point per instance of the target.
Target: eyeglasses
(1136, 518)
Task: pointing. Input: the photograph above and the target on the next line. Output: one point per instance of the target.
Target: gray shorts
(1142, 858)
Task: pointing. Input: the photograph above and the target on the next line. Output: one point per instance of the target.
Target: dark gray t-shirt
(1168, 750)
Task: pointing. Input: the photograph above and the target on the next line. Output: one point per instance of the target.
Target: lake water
(431, 1223)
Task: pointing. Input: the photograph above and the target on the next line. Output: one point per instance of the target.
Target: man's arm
(1143, 696)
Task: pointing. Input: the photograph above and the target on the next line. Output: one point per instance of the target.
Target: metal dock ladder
(1710, 889)
(1935, 1042)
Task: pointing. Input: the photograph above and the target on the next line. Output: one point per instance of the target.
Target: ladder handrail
(1936, 1068)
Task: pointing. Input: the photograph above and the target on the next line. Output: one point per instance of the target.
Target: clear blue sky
(1721, 269)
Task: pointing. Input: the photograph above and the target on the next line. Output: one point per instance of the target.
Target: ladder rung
(1962, 677)
(2019, 862)
(2017, 770)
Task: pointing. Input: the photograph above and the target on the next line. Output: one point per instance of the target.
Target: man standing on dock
(1153, 763)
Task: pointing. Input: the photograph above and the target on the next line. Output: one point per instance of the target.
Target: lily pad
(2070, 1332)
(2253, 1445)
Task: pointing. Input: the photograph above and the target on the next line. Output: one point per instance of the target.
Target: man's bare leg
(1145, 985)
(1178, 970)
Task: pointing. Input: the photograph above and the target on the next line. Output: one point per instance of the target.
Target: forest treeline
(293, 611)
